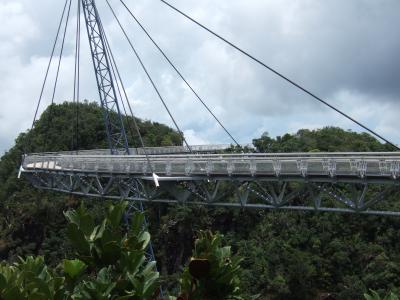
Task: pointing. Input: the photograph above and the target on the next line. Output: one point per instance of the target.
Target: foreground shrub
(111, 263)
(213, 272)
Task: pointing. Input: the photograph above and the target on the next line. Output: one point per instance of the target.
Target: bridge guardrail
(267, 164)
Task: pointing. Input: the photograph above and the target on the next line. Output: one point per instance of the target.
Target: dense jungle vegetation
(285, 254)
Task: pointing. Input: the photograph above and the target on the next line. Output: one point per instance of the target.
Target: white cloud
(17, 26)
(193, 139)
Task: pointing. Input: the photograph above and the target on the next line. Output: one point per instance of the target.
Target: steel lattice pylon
(108, 97)
(116, 134)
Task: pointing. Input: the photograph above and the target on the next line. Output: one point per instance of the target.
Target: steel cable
(150, 78)
(281, 75)
(47, 73)
(118, 80)
(75, 142)
(180, 74)
(57, 74)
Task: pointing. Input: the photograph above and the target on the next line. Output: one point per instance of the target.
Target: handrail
(363, 164)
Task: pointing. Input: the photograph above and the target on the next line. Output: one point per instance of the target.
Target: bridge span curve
(253, 180)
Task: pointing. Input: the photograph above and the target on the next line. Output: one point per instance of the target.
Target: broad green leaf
(72, 217)
(132, 261)
(74, 268)
(111, 253)
(78, 239)
(82, 219)
(144, 239)
(115, 214)
(137, 223)
(101, 230)
(86, 224)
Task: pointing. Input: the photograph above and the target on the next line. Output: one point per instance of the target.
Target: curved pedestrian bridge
(170, 163)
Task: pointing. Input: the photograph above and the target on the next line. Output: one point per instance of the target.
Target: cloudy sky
(347, 52)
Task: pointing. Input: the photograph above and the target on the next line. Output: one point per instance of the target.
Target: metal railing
(384, 164)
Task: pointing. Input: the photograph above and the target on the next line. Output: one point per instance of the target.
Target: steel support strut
(254, 193)
(116, 134)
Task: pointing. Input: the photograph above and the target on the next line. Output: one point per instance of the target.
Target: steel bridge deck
(257, 180)
(276, 166)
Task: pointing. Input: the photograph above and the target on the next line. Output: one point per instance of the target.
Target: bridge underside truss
(315, 194)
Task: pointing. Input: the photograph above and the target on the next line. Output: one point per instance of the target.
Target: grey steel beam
(224, 192)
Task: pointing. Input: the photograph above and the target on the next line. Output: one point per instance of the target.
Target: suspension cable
(58, 72)
(61, 53)
(150, 78)
(47, 73)
(114, 67)
(75, 141)
(180, 74)
(281, 75)
(129, 125)
(76, 52)
(118, 80)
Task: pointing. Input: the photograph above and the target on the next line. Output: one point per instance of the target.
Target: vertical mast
(116, 134)
(108, 97)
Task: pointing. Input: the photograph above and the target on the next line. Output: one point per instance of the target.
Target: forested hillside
(287, 255)
(31, 221)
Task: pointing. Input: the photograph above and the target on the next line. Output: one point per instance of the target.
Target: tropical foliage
(286, 255)
(375, 296)
(111, 263)
(212, 273)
